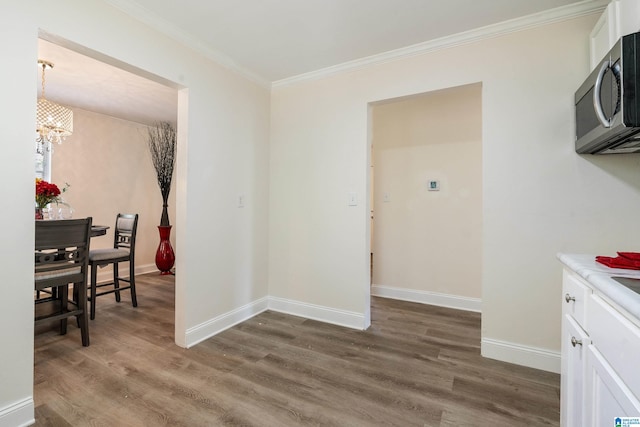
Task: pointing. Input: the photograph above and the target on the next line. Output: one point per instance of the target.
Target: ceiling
(268, 40)
(284, 38)
(82, 82)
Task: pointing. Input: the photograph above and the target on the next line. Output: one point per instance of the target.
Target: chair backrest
(61, 251)
(125, 234)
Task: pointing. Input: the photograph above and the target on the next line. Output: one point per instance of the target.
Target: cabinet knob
(575, 341)
(568, 298)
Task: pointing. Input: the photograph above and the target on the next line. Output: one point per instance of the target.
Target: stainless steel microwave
(608, 102)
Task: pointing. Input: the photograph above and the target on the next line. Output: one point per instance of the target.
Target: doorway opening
(426, 197)
(106, 160)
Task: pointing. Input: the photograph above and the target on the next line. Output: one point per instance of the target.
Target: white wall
(223, 134)
(16, 175)
(427, 244)
(539, 196)
(122, 181)
(318, 251)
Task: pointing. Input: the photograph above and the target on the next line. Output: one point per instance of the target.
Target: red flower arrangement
(47, 192)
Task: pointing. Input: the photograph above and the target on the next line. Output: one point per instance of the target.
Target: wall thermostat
(434, 185)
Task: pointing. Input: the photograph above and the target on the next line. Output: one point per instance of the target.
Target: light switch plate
(353, 199)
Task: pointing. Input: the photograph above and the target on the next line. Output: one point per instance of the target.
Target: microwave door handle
(597, 102)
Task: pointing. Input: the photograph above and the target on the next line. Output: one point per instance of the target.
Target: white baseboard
(426, 297)
(214, 326)
(494, 349)
(19, 414)
(350, 319)
(218, 324)
(532, 357)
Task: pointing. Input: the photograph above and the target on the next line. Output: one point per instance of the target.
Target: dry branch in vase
(162, 146)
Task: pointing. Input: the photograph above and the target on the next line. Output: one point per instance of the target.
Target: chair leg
(82, 319)
(64, 304)
(116, 282)
(76, 299)
(132, 282)
(94, 278)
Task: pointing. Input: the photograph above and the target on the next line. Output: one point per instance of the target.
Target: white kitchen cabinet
(574, 342)
(604, 35)
(606, 394)
(628, 17)
(600, 377)
(621, 17)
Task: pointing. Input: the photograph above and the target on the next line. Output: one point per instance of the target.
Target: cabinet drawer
(617, 339)
(574, 297)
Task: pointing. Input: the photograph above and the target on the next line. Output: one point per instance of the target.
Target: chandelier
(53, 121)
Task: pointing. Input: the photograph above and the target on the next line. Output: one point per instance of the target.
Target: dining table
(96, 230)
(99, 230)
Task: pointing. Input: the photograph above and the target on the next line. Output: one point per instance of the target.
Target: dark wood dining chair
(124, 245)
(61, 258)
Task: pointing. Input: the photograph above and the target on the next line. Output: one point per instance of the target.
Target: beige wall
(223, 132)
(107, 164)
(429, 240)
(539, 196)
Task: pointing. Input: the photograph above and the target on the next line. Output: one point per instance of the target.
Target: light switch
(386, 198)
(353, 199)
(241, 201)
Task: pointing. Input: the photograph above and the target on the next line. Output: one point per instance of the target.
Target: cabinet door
(607, 397)
(574, 343)
(628, 16)
(617, 340)
(604, 34)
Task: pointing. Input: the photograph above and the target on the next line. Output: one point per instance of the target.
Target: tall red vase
(164, 255)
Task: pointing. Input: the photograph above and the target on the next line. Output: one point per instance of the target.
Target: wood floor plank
(368, 400)
(50, 418)
(417, 365)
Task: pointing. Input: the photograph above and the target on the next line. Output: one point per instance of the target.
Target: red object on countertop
(630, 255)
(626, 260)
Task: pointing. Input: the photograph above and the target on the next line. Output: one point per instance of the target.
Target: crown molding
(168, 28)
(563, 13)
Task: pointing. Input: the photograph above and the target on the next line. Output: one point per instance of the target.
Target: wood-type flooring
(417, 365)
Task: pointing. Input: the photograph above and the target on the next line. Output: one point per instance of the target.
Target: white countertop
(599, 276)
